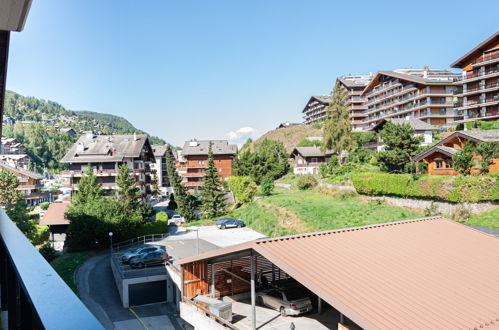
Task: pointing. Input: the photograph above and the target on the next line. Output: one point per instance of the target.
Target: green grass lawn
(289, 212)
(67, 264)
(323, 212)
(485, 219)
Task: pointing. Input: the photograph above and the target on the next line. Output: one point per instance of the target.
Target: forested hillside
(40, 125)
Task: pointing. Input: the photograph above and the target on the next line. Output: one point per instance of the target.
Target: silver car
(291, 302)
(127, 256)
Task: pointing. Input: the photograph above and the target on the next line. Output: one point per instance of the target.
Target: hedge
(458, 189)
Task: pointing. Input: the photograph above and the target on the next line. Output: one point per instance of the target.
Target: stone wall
(441, 207)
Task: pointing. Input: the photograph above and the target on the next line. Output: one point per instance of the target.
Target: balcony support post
(3, 277)
(13, 298)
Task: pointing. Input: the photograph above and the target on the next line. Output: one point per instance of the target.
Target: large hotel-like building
(315, 110)
(420, 93)
(478, 86)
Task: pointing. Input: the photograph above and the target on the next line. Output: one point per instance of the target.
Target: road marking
(138, 318)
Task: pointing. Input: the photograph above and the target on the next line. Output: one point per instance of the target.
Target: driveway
(99, 293)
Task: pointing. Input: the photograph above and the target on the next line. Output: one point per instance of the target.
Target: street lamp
(111, 239)
(197, 237)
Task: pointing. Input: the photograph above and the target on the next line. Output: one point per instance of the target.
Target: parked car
(150, 259)
(176, 219)
(229, 223)
(290, 302)
(128, 256)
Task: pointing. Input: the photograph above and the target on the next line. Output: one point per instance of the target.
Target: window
(314, 160)
(448, 164)
(439, 163)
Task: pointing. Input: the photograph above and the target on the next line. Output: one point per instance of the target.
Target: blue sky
(226, 68)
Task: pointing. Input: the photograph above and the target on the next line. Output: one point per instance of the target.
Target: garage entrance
(147, 293)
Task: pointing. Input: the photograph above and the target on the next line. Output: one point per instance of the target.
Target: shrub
(454, 189)
(306, 182)
(48, 252)
(267, 186)
(373, 161)
(44, 205)
(161, 216)
(41, 235)
(243, 188)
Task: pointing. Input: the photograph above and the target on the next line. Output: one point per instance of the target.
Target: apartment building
(478, 86)
(11, 146)
(315, 110)
(420, 93)
(105, 153)
(30, 184)
(195, 154)
(353, 86)
(158, 168)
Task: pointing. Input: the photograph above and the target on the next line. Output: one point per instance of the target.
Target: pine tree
(212, 194)
(129, 194)
(337, 135)
(88, 188)
(400, 146)
(185, 204)
(8, 193)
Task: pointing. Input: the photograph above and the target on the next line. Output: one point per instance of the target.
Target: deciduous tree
(463, 159)
(487, 151)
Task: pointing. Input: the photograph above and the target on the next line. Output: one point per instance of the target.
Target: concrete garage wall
(197, 320)
(123, 285)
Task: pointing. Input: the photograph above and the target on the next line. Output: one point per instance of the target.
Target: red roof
(428, 273)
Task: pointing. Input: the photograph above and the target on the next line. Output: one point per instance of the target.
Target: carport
(394, 275)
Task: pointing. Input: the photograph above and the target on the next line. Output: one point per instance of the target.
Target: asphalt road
(99, 293)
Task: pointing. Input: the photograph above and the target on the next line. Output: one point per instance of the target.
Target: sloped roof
(355, 80)
(474, 135)
(219, 147)
(159, 150)
(415, 123)
(483, 136)
(105, 148)
(416, 78)
(490, 41)
(436, 148)
(55, 215)
(417, 274)
(27, 173)
(313, 151)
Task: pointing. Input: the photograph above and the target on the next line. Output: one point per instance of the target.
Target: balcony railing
(487, 57)
(477, 74)
(32, 293)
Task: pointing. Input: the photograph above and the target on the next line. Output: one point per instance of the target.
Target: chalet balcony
(380, 89)
(80, 173)
(479, 103)
(478, 75)
(193, 174)
(479, 89)
(32, 293)
(489, 58)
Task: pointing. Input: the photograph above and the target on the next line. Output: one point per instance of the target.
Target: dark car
(128, 256)
(229, 223)
(150, 259)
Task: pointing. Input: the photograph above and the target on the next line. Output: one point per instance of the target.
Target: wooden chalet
(439, 157)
